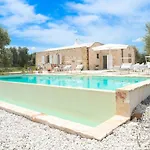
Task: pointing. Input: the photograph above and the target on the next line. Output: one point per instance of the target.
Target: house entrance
(104, 62)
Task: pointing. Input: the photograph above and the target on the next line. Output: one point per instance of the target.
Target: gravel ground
(19, 133)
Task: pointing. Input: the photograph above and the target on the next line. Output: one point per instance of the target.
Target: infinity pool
(90, 82)
(79, 104)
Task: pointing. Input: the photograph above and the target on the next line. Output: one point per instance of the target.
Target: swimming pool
(88, 100)
(91, 106)
(89, 82)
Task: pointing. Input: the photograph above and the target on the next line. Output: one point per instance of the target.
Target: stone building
(91, 55)
(110, 55)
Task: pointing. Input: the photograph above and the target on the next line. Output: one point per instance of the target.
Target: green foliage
(4, 38)
(23, 70)
(147, 39)
(6, 58)
(13, 57)
(140, 57)
(31, 61)
(23, 56)
(10, 69)
(4, 73)
(16, 57)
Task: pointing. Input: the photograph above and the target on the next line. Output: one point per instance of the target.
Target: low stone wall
(129, 97)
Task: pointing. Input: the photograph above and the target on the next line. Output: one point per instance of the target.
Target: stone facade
(87, 56)
(69, 56)
(72, 56)
(117, 59)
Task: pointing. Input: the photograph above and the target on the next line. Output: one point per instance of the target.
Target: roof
(110, 47)
(71, 47)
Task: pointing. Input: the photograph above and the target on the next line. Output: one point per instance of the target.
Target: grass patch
(6, 71)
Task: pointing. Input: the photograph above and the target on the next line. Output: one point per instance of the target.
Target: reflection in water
(98, 85)
(107, 83)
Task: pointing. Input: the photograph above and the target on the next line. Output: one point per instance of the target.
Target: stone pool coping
(83, 74)
(88, 74)
(99, 132)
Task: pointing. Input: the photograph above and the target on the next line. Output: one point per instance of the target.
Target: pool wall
(115, 107)
(127, 98)
(94, 105)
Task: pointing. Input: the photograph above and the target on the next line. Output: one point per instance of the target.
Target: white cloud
(57, 34)
(106, 21)
(112, 7)
(17, 12)
(138, 40)
(33, 48)
(82, 19)
(22, 21)
(119, 21)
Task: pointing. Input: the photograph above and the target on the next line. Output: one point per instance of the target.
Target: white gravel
(19, 133)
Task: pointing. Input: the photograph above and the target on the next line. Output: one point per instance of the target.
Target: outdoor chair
(126, 67)
(135, 67)
(148, 66)
(79, 67)
(116, 68)
(142, 67)
(67, 68)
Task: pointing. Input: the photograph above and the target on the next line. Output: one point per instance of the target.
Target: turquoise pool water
(90, 82)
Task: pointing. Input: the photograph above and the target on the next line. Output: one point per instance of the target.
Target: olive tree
(4, 38)
(147, 39)
(4, 54)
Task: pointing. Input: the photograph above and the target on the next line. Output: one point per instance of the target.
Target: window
(129, 58)
(48, 59)
(97, 56)
(58, 59)
(129, 55)
(122, 54)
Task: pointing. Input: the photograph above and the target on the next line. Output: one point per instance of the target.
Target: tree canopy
(147, 39)
(4, 38)
(17, 57)
(13, 57)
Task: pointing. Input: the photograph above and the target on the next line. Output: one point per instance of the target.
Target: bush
(12, 69)
(15, 69)
(3, 73)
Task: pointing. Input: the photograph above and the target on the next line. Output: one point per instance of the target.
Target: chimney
(76, 42)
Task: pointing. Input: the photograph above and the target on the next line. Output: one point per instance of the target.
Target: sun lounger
(79, 67)
(116, 68)
(67, 68)
(142, 67)
(126, 66)
(135, 67)
(148, 67)
(56, 68)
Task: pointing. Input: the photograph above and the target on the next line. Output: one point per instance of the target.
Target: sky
(43, 24)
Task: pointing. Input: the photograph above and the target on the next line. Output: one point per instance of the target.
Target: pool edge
(99, 132)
